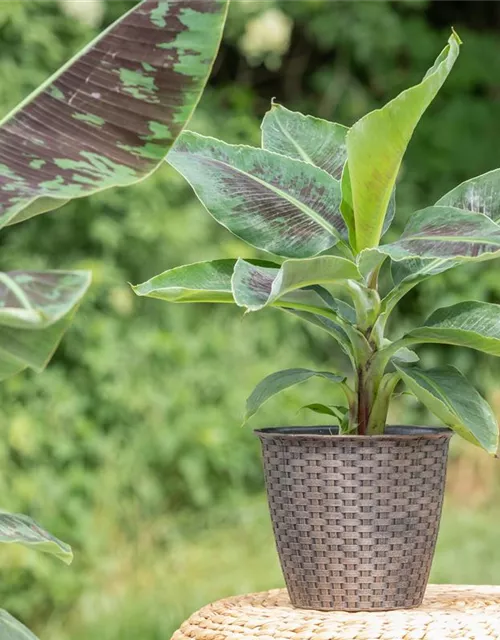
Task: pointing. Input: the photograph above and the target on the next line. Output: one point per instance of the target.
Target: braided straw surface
(447, 612)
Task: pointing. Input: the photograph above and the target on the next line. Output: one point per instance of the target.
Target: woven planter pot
(355, 518)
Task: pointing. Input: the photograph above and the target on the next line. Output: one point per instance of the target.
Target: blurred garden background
(130, 445)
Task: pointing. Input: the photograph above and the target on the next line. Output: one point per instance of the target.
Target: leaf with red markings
(446, 234)
(111, 114)
(284, 206)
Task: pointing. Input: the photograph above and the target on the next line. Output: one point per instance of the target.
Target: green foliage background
(129, 446)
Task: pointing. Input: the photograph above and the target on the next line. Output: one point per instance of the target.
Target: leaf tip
(455, 35)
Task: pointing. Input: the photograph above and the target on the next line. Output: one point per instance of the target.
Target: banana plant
(107, 118)
(319, 197)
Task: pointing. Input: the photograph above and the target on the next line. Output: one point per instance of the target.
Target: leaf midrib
(299, 205)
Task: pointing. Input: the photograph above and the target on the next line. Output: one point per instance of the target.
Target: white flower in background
(89, 12)
(268, 33)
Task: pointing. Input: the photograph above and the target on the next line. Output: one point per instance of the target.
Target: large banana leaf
(111, 114)
(284, 206)
(466, 324)
(18, 529)
(450, 396)
(312, 140)
(35, 311)
(376, 145)
(281, 380)
(255, 287)
(12, 629)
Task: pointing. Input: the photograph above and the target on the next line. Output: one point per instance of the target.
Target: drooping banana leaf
(275, 203)
(376, 145)
(35, 311)
(467, 324)
(451, 397)
(111, 114)
(19, 529)
(12, 629)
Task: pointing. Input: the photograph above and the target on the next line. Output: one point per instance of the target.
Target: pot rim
(393, 432)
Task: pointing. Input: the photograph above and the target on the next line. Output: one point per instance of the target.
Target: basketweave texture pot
(355, 518)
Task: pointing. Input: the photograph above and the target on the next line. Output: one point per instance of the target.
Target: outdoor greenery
(129, 445)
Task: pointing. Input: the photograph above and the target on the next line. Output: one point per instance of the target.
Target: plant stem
(364, 401)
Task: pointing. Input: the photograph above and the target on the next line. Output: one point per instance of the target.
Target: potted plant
(106, 119)
(356, 504)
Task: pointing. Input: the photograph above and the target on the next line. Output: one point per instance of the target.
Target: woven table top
(458, 612)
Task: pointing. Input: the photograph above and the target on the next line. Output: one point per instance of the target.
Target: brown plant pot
(355, 518)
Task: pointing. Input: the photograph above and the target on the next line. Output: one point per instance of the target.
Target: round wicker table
(458, 612)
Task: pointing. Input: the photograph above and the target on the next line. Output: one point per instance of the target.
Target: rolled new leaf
(376, 145)
(451, 397)
(467, 324)
(281, 380)
(19, 529)
(256, 287)
(312, 140)
(272, 202)
(36, 308)
(12, 629)
(112, 113)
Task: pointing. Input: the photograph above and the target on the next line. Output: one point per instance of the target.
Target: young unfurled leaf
(480, 194)
(275, 203)
(449, 395)
(281, 380)
(445, 233)
(20, 529)
(312, 140)
(466, 324)
(376, 145)
(256, 287)
(12, 629)
(110, 115)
